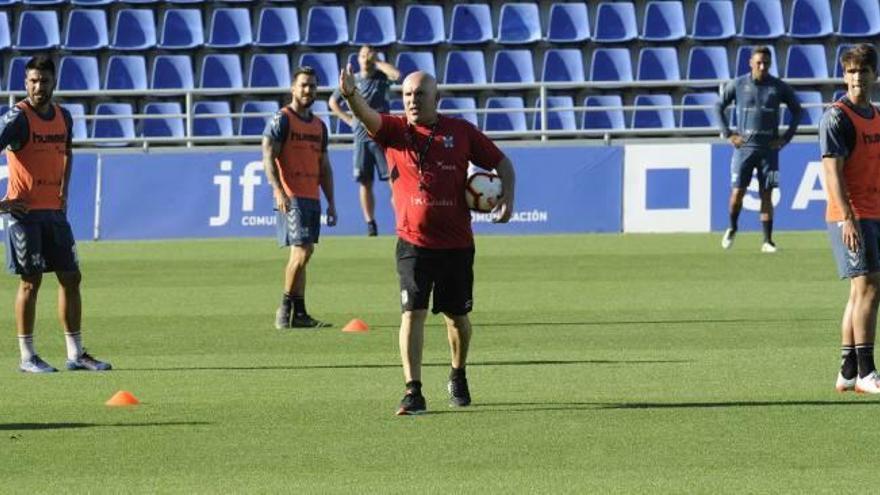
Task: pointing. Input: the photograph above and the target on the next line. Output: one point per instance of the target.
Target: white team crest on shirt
(448, 143)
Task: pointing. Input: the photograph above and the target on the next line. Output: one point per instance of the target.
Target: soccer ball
(482, 191)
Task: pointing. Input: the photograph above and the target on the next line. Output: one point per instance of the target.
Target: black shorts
(449, 273)
(40, 241)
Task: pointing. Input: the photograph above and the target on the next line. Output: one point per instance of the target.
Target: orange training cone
(123, 398)
(355, 325)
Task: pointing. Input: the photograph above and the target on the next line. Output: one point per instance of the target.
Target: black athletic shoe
(372, 229)
(459, 395)
(282, 319)
(306, 321)
(413, 403)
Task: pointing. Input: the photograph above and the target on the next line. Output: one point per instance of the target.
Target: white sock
(74, 345)
(26, 346)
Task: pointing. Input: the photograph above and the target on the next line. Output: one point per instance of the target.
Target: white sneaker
(845, 385)
(869, 384)
(728, 238)
(768, 247)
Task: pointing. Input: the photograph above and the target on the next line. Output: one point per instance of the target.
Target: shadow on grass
(71, 426)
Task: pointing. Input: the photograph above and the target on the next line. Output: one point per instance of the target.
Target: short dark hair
(41, 63)
(304, 69)
(862, 55)
(764, 50)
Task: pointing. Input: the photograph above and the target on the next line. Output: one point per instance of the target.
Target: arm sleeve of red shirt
(483, 152)
(391, 131)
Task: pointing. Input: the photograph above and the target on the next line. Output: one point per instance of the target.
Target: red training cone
(123, 398)
(355, 325)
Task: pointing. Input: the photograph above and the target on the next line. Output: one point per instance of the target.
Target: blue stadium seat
(16, 73)
(135, 30)
(563, 64)
(92, 3)
(713, 20)
(645, 116)
(230, 28)
(513, 66)
(126, 72)
(556, 119)
(615, 22)
(86, 30)
(465, 108)
(471, 24)
(5, 32)
(166, 127)
(326, 66)
(699, 117)
(254, 125)
(185, 1)
(611, 64)
(145, 2)
(810, 19)
(708, 62)
(859, 18)
(374, 25)
(182, 29)
(9, 2)
(658, 64)
(78, 73)
(326, 25)
(569, 23)
(465, 67)
(806, 61)
(519, 23)
(80, 129)
(219, 124)
(278, 26)
(762, 19)
(341, 127)
(37, 30)
(664, 21)
(408, 62)
(269, 70)
(172, 72)
(395, 105)
(114, 128)
(811, 103)
(423, 25)
(322, 111)
(221, 71)
(44, 2)
(744, 53)
(609, 118)
(512, 120)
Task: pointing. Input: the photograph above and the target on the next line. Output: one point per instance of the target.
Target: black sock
(456, 373)
(768, 230)
(299, 305)
(734, 221)
(865, 356)
(414, 387)
(285, 303)
(849, 365)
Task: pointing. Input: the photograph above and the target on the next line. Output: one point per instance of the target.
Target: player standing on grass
(756, 140)
(428, 155)
(296, 164)
(849, 139)
(37, 135)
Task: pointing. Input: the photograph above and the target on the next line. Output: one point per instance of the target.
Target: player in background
(758, 96)
(37, 135)
(849, 139)
(373, 81)
(296, 164)
(428, 155)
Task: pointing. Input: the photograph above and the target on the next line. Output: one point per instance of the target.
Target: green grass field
(600, 363)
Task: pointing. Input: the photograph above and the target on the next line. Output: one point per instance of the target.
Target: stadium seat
(556, 119)
(859, 18)
(219, 124)
(44, 2)
(563, 64)
(326, 66)
(762, 19)
(9, 2)
(5, 33)
(395, 105)
(408, 62)
(811, 103)
(699, 117)
(326, 25)
(80, 129)
(663, 21)
(165, 127)
(374, 26)
(182, 29)
(230, 28)
(322, 111)
(278, 26)
(744, 53)
(708, 62)
(810, 19)
(615, 22)
(145, 2)
(126, 72)
(78, 73)
(16, 73)
(464, 108)
(512, 120)
(86, 30)
(513, 66)
(645, 116)
(114, 128)
(255, 124)
(185, 1)
(221, 71)
(465, 67)
(608, 118)
(269, 70)
(806, 61)
(569, 23)
(92, 3)
(471, 24)
(658, 64)
(135, 30)
(713, 20)
(37, 30)
(519, 23)
(341, 127)
(423, 25)
(172, 72)
(611, 64)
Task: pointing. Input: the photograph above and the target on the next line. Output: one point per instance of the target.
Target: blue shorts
(369, 161)
(866, 260)
(40, 241)
(301, 224)
(746, 160)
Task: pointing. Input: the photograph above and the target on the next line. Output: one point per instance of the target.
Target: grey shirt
(374, 89)
(837, 134)
(757, 109)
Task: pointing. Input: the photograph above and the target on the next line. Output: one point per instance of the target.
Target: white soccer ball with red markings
(482, 192)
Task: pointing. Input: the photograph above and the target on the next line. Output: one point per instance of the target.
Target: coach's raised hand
(347, 85)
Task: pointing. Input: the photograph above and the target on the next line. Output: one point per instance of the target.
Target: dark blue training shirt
(757, 109)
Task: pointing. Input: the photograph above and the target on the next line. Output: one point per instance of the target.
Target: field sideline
(600, 363)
